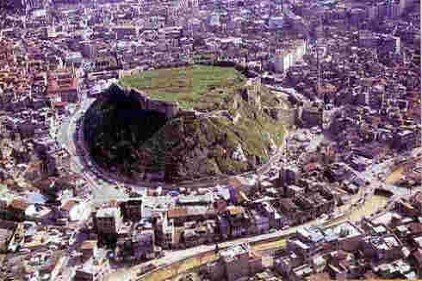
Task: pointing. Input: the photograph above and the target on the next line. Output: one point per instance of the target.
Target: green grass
(193, 86)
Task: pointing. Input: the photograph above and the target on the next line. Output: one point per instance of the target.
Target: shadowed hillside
(234, 136)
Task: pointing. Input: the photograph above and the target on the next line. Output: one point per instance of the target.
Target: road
(275, 238)
(102, 191)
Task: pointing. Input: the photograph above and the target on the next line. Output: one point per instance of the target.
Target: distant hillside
(231, 135)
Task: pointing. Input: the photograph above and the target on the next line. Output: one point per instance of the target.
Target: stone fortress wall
(172, 109)
(250, 94)
(168, 109)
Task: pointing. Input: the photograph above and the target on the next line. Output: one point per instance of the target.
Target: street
(102, 191)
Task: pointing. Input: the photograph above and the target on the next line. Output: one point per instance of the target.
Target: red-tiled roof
(60, 104)
(19, 204)
(69, 205)
(177, 212)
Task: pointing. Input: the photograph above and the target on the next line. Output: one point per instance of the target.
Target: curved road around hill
(102, 191)
(106, 186)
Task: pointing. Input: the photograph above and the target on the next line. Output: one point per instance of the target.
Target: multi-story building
(132, 209)
(235, 262)
(95, 268)
(108, 220)
(63, 86)
(286, 57)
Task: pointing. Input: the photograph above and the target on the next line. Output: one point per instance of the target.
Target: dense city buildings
(292, 136)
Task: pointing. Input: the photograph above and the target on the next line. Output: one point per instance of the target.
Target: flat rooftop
(231, 253)
(108, 212)
(343, 230)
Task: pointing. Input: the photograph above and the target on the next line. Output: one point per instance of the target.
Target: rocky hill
(213, 136)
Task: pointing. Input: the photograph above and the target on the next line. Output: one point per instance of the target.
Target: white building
(285, 58)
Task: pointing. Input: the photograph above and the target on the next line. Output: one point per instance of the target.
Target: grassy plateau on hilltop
(193, 86)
